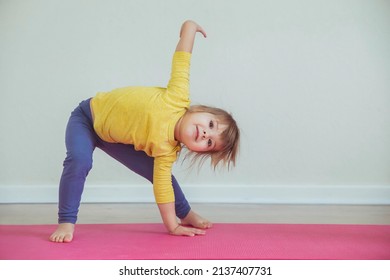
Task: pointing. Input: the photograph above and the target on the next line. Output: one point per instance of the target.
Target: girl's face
(200, 132)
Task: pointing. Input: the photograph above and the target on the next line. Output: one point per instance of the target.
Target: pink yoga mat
(222, 242)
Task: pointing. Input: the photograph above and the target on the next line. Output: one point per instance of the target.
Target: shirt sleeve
(162, 180)
(178, 85)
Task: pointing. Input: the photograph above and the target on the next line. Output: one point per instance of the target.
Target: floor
(217, 213)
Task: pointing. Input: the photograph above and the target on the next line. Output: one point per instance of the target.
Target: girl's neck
(177, 130)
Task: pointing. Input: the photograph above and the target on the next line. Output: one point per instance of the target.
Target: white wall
(308, 82)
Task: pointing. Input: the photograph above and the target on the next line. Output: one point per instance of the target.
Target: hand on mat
(187, 231)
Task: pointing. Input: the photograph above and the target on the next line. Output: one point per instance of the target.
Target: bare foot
(195, 220)
(64, 233)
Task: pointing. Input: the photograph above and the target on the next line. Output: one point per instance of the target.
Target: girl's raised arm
(187, 36)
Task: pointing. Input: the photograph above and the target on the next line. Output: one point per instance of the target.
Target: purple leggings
(81, 140)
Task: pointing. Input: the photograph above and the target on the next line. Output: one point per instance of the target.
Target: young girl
(144, 128)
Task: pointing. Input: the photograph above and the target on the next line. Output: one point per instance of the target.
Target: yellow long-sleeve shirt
(146, 117)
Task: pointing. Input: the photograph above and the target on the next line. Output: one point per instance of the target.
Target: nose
(204, 136)
(207, 133)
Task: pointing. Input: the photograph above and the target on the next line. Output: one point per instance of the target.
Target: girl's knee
(77, 163)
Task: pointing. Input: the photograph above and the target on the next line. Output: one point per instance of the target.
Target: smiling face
(200, 132)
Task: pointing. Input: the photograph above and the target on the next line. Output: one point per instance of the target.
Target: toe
(68, 238)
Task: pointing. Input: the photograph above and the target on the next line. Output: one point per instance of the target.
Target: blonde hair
(230, 138)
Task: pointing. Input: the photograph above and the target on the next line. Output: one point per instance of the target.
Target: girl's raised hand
(187, 35)
(201, 30)
(190, 24)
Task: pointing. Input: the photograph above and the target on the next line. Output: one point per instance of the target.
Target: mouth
(196, 133)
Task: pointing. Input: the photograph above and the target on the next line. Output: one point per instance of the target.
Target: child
(144, 128)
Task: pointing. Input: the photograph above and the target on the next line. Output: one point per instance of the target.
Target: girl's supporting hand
(187, 231)
(168, 215)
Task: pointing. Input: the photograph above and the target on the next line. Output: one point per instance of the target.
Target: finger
(184, 231)
(188, 233)
(198, 231)
(180, 230)
(203, 32)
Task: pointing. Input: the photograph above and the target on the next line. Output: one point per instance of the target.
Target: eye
(209, 143)
(211, 124)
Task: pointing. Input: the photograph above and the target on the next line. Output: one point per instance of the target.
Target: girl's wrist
(174, 229)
